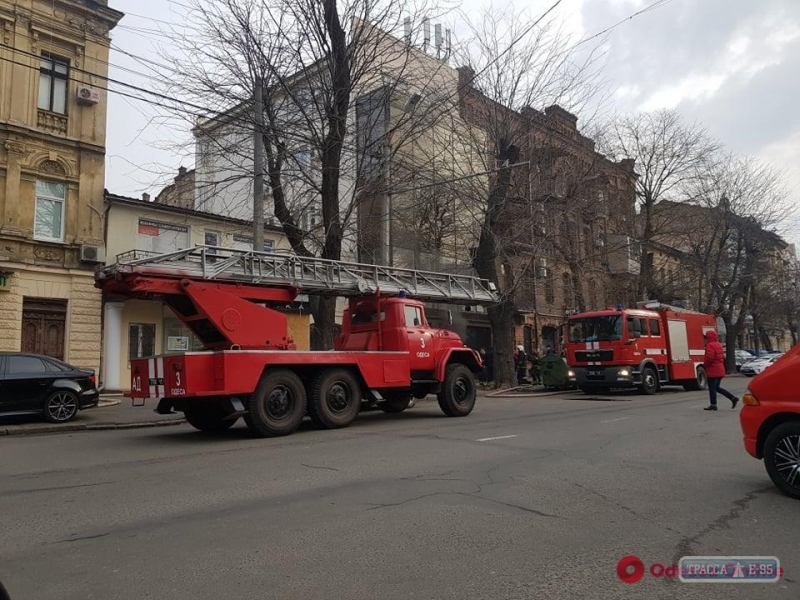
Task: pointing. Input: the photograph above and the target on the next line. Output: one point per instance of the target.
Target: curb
(89, 427)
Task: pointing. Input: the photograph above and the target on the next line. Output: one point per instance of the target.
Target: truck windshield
(362, 318)
(595, 329)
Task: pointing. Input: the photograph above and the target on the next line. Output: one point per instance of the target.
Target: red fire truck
(387, 353)
(652, 345)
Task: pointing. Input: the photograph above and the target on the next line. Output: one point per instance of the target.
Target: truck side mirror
(450, 317)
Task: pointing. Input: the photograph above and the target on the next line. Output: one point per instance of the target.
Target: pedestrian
(714, 363)
(521, 360)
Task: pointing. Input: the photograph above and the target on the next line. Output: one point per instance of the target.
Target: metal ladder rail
(309, 274)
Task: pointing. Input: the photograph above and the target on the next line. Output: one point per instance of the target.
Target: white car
(758, 365)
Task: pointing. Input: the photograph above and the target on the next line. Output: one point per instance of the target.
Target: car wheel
(61, 406)
(649, 381)
(457, 398)
(782, 458)
(335, 399)
(278, 404)
(700, 383)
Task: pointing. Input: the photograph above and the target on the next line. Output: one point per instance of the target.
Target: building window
(49, 219)
(161, 238)
(53, 78)
(549, 290)
(245, 242)
(569, 296)
(141, 340)
(211, 238)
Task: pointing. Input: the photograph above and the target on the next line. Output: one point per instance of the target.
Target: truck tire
(457, 398)
(396, 403)
(335, 399)
(698, 384)
(207, 417)
(781, 455)
(278, 405)
(649, 381)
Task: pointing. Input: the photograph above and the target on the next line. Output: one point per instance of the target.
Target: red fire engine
(652, 345)
(386, 354)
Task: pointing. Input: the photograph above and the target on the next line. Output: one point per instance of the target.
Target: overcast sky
(733, 65)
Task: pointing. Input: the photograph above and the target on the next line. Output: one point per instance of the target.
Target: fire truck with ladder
(386, 355)
(647, 347)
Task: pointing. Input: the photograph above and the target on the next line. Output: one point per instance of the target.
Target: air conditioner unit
(93, 254)
(88, 95)
(543, 263)
(599, 242)
(542, 272)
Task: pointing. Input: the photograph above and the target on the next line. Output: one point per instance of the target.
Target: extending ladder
(309, 275)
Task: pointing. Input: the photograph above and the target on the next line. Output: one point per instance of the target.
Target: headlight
(749, 399)
(624, 373)
(570, 373)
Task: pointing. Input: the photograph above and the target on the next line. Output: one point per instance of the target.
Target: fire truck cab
(646, 347)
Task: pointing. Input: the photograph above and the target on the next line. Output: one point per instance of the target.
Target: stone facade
(181, 192)
(52, 171)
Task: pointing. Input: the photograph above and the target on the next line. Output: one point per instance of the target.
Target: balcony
(623, 255)
(52, 123)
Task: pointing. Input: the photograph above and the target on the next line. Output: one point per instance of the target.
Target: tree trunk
(323, 331)
(501, 318)
(732, 332)
(646, 268)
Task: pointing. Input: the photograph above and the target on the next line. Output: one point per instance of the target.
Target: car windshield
(595, 329)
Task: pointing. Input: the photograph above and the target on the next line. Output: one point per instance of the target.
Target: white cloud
(750, 49)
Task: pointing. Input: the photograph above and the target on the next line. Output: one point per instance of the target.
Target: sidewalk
(114, 412)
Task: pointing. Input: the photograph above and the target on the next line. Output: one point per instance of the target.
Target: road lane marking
(615, 420)
(501, 437)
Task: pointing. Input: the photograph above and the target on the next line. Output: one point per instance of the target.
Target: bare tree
(513, 63)
(726, 232)
(669, 155)
(316, 61)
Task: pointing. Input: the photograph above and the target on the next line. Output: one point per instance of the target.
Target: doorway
(44, 323)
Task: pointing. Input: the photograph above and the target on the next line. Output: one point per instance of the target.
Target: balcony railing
(52, 122)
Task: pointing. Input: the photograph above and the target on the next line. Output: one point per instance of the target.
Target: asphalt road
(524, 499)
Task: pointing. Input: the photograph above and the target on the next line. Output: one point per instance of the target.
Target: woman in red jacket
(714, 362)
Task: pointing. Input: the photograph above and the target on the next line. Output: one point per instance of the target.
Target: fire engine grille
(594, 355)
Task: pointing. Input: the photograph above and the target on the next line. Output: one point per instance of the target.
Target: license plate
(595, 372)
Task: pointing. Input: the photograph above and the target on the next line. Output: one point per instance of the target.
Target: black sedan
(33, 384)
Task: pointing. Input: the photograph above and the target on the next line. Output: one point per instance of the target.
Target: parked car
(758, 365)
(33, 384)
(770, 420)
(741, 357)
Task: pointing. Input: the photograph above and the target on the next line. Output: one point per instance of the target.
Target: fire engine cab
(647, 347)
(387, 353)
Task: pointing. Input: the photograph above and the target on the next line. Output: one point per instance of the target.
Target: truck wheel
(649, 381)
(335, 399)
(457, 398)
(396, 404)
(698, 384)
(278, 404)
(209, 418)
(782, 458)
